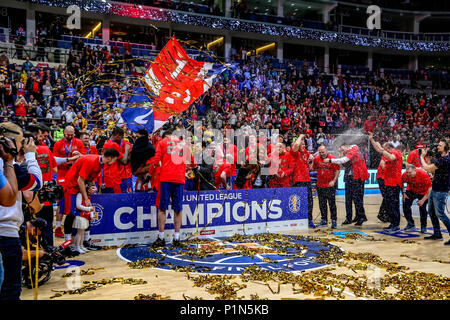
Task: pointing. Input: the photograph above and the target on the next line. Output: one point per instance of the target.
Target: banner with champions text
(132, 218)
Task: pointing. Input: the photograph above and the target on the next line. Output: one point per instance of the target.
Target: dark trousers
(310, 197)
(47, 214)
(327, 196)
(393, 203)
(68, 223)
(408, 212)
(354, 193)
(11, 250)
(383, 213)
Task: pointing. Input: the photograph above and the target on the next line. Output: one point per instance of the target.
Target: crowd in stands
(295, 99)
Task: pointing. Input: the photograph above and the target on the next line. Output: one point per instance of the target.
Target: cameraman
(439, 167)
(48, 166)
(28, 178)
(8, 195)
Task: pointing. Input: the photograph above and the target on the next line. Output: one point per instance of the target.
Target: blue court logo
(232, 257)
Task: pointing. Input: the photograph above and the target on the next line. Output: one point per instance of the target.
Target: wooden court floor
(385, 267)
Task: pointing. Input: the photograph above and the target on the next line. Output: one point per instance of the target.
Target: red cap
(420, 146)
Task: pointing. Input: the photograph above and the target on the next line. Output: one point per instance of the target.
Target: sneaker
(433, 237)
(176, 243)
(159, 243)
(389, 227)
(333, 224)
(90, 246)
(393, 229)
(447, 243)
(409, 227)
(322, 223)
(83, 248)
(78, 250)
(355, 219)
(423, 230)
(360, 222)
(347, 221)
(311, 224)
(59, 233)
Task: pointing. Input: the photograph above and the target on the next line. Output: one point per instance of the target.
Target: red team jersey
(419, 184)
(65, 149)
(325, 171)
(413, 158)
(90, 149)
(46, 162)
(174, 155)
(218, 169)
(358, 164)
(380, 171)
(87, 167)
(301, 169)
(393, 170)
(113, 173)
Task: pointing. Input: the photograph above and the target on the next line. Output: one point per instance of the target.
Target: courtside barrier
(132, 218)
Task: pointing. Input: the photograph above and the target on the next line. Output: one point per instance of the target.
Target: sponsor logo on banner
(294, 203)
(207, 232)
(98, 214)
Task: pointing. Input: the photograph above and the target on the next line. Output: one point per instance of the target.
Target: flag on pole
(170, 85)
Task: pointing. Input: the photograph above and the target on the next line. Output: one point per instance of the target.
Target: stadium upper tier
(359, 37)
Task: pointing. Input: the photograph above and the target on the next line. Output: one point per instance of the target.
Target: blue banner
(132, 218)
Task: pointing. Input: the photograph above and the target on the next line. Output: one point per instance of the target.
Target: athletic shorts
(171, 193)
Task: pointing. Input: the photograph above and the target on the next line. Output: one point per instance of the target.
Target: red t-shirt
(301, 169)
(174, 155)
(413, 158)
(393, 170)
(90, 149)
(231, 149)
(113, 173)
(419, 184)
(87, 167)
(126, 169)
(380, 171)
(325, 171)
(63, 149)
(46, 162)
(358, 164)
(218, 169)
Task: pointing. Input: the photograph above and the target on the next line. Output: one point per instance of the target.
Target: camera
(433, 150)
(50, 192)
(4, 143)
(53, 255)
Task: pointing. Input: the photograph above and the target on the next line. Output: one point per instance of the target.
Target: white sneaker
(79, 250)
(83, 248)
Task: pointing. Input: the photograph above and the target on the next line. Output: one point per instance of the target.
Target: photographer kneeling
(28, 178)
(439, 167)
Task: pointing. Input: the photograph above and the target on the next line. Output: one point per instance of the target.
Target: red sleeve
(57, 149)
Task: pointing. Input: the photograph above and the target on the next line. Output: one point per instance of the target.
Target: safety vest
(58, 135)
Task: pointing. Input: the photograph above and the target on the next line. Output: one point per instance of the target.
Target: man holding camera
(28, 178)
(439, 167)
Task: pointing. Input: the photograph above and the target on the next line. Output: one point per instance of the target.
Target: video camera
(53, 255)
(4, 143)
(50, 192)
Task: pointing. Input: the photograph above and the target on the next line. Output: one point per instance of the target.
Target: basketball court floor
(348, 263)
